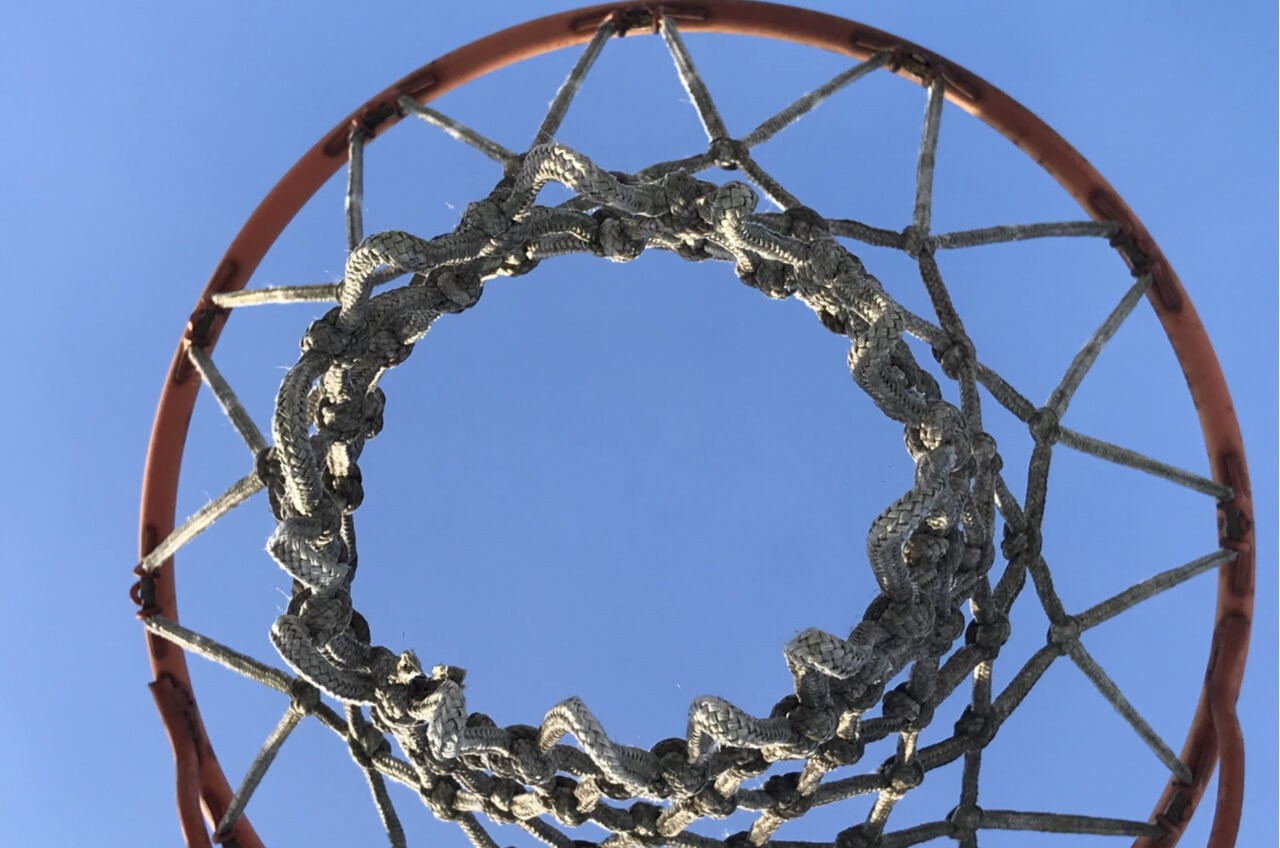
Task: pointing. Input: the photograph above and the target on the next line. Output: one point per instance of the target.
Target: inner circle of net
(930, 551)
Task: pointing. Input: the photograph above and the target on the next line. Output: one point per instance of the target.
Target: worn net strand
(927, 158)
(1151, 587)
(806, 104)
(931, 551)
(456, 130)
(1061, 396)
(355, 187)
(1023, 232)
(1109, 690)
(204, 518)
(227, 400)
(315, 293)
(258, 768)
(569, 89)
(712, 124)
(1129, 458)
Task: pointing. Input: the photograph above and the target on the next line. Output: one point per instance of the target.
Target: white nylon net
(852, 724)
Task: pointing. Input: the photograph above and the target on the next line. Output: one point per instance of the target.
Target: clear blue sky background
(635, 483)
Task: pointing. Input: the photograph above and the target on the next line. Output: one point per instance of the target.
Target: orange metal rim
(1213, 737)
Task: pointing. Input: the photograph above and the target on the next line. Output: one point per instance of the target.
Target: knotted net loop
(328, 402)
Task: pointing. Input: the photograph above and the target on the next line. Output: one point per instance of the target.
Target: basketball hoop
(943, 582)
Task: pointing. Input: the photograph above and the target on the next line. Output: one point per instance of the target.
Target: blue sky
(631, 483)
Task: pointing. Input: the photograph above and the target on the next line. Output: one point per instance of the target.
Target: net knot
(365, 745)
(371, 741)
(964, 820)
(441, 797)
(1020, 544)
(977, 557)
(334, 336)
(841, 752)
(1044, 425)
(769, 277)
(940, 425)
(805, 224)
(589, 793)
(673, 759)
(925, 550)
(916, 242)
(711, 804)
(304, 696)
(834, 322)
(901, 707)
(497, 803)
(352, 418)
(562, 801)
(439, 673)
(901, 776)
(614, 239)
(452, 290)
(462, 287)
(979, 727)
(861, 696)
(271, 473)
(684, 199)
(386, 347)
(989, 636)
(347, 487)
(693, 249)
(1064, 634)
(858, 836)
(947, 628)
(527, 759)
(788, 802)
(955, 355)
(729, 153)
(985, 452)
(813, 723)
(519, 262)
(399, 700)
(645, 818)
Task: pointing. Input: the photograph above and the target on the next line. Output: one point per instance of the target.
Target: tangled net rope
(931, 550)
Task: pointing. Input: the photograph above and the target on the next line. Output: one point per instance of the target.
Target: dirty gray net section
(931, 551)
